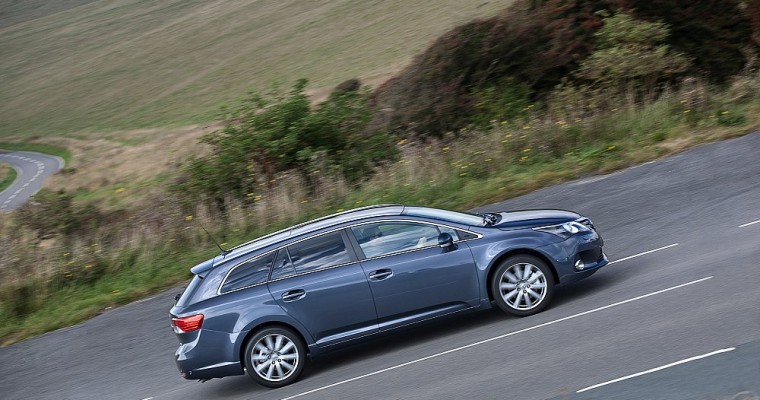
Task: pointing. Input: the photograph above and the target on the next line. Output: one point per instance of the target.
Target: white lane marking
(750, 223)
(497, 338)
(644, 253)
(649, 371)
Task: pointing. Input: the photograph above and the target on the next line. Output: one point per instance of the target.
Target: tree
(631, 53)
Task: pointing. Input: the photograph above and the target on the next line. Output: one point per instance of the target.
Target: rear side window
(249, 273)
(319, 252)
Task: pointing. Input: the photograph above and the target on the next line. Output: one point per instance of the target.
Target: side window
(382, 238)
(248, 273)
(453, 232)
(319, 252)
(466, 235)
(282, 266)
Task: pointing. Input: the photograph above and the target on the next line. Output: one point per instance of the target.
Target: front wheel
(522, 285)
(275, 357)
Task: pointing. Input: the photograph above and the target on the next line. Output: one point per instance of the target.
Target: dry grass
(124, 64)
(106, 166)
(7, 175)
(4, 170)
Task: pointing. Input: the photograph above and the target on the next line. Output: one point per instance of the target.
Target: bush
(502, 102)
(752, 11)
(531, 45)
(51, 213)
(274, 133)
(712, 32)
(630, 54)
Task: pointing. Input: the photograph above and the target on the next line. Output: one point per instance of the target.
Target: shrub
(50, 213)
(274, 133)
(630, 53)
(501, 102)
(752, 11)
(712, 32)
(532, 45)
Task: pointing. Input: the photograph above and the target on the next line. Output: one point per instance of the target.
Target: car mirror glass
(445, 240)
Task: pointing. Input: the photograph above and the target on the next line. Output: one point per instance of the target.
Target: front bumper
(579, 250)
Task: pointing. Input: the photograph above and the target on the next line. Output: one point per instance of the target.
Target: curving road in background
(676, 315)
(32, 169)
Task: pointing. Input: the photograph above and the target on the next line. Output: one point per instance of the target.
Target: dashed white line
(649, 371)
(496, 338)
(750, 223)
(644, 253)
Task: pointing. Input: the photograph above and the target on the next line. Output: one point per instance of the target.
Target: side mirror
(445, 240)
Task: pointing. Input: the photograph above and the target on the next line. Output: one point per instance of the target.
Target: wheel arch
(513, 252)
(269, 324)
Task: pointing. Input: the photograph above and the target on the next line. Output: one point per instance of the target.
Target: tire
(275, 357)
(510, 287)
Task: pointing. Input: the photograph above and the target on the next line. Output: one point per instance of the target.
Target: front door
(411, 277)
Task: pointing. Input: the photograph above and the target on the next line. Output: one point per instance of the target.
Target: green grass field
(120, 64)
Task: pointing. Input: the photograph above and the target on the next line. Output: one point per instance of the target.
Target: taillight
(187, 324)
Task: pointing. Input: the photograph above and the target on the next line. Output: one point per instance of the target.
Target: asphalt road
(32, 169)
(684, 237)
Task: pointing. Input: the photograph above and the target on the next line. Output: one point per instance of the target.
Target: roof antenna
(224, 252)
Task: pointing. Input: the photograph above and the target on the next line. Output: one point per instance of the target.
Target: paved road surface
(684, 235)
(32, 168)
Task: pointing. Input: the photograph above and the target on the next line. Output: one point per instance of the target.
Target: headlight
(564, 230)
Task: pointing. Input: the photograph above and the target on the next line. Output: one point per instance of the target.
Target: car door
(411, 277)
(319, 282)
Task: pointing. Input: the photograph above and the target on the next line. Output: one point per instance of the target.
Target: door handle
(381, 274)
(293, 295)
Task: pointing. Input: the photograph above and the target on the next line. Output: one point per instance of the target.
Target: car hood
(533, 218)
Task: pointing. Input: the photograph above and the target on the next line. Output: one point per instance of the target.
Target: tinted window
(282, 266)
(249, 273)
(319, 252)
(466, 235)
(390, 237)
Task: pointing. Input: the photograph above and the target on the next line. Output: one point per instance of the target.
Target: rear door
(319, 282)
(411, 277)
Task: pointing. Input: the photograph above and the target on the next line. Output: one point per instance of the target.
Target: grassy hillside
(119, 64)
(16, 11)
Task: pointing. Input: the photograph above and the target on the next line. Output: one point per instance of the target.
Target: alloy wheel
(275, 357)
(523, 286)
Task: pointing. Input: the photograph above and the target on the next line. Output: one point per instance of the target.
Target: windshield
(451, 216)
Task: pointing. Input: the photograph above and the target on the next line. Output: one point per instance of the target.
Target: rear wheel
(275, 357)
(522, 285)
